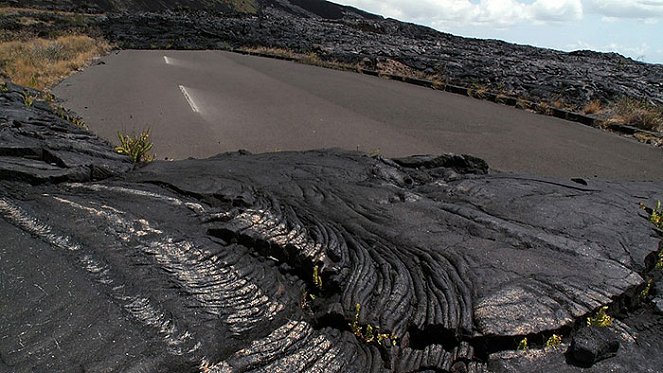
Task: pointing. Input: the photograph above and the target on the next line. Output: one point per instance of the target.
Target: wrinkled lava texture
(348, 35)
(245, 262)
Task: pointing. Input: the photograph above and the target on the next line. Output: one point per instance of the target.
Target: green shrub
(600, 319)
(137, 147)
(554, 341)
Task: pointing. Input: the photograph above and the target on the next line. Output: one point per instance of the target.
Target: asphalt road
(202, 103)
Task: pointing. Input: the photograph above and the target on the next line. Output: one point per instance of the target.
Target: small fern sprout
(522, 345)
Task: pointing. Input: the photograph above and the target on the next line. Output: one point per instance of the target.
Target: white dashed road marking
(167, 60)
(193, 105)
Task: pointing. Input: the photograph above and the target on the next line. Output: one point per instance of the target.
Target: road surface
(202, 103)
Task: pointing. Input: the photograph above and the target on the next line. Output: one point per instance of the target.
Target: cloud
(561, 10)
(639, 9)
(498, 13)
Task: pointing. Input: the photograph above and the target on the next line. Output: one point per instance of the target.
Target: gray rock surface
(180, 266)
(593, 344)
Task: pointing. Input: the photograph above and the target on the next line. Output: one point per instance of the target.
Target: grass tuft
(42, 63)
(592, 107)
(639, 114)
(137, 147)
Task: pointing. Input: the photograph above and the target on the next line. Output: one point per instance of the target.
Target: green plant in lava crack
(4, 88)
(317, 279)
(28, 99)
(305, 300)
(601, 319)
(137, 147)
(370, 333)
(656, 218)
(78, 122)
(655, 214)
(554, 341)
(645, 292)
(522, 345)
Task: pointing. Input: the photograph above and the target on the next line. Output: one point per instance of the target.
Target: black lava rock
(593, 344)
(303, 261)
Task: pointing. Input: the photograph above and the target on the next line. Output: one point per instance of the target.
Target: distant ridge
(320, 8)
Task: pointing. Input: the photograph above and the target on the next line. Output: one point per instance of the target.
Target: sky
(633, 28)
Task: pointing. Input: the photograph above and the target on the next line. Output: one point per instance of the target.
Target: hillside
(320, 8)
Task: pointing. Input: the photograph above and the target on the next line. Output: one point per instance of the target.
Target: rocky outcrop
(39, 146)
(308, 261)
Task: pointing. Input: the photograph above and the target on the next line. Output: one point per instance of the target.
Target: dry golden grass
(310, 58)
(278, 52)
(592, 107)
(478, 91)
(8, 10)
(638, 114)
(42, 63)
(559, 104)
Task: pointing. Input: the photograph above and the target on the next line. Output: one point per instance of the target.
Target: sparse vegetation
(522, 345)
(370, 333)
(554, 341)
(317, 280)
(277, 52)
(41, 63)
(310, 58)
(559, 104)
(655, 214)
(477, 91)
(305, 300)
(656, 218)
(28, 99)
(592, 107)
(523, 104)
(137, 147)
(638, 113)
(600, 319)
(78, 122)
(544, 108)
(645, 292)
